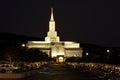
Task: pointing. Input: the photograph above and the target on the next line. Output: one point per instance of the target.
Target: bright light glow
(23, 45)
(61, 59)
(87, 54)
(108, 50)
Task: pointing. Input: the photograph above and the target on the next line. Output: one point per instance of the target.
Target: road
(64, 72)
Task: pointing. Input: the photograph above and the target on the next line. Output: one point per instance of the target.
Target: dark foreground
(66, 72)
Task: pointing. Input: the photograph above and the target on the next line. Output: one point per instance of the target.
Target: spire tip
(52, 17)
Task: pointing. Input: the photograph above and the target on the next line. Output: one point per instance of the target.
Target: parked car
(7, 67)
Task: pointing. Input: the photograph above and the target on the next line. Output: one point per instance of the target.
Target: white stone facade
(53, 46)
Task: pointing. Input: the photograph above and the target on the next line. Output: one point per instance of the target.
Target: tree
(33, 55)
(73, 59)
(10, 54)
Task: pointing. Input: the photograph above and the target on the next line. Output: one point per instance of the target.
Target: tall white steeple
(52, 17)
(52, 34)
(52, 22)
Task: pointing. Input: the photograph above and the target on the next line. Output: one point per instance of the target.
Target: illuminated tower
(53, 47)
(52, 34)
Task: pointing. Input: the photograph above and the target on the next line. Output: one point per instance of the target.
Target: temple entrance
(60, 59)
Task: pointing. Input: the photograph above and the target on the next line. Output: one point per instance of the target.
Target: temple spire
(52, 34)
(52, 17)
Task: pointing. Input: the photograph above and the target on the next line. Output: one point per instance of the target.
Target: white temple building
(60, 50)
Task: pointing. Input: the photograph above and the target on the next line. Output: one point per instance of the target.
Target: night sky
(85, 21)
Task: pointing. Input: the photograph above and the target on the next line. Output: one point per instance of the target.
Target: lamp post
(108, 53)
(23, 45)
(87, 54)
(108, 50)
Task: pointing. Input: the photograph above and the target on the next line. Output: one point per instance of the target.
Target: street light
(23, 45)
(108, 51)
(87, 54)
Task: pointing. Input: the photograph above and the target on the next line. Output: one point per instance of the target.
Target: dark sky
(86, 21)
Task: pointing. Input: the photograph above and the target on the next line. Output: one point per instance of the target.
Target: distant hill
(16, 37)
(10, 39)
(88, 45)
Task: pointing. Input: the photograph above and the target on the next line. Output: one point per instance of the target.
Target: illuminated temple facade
(60, 50)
